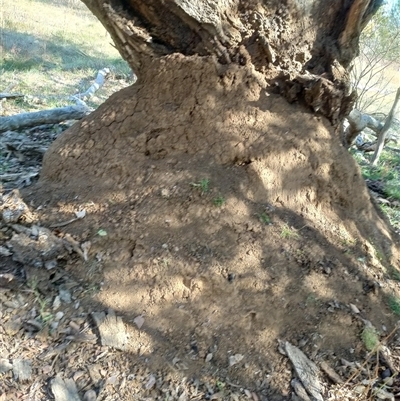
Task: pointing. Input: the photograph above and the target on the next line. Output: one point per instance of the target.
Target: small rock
(354, 309)
(56, 302)
(64, 389)
(5, 365)
(4, 251)
(209, 357)
(234, 359)
(151, 382)
(50, 264)
(22, 369)
(165, 193)
(54, 325)
(217, 396)
(112, 380)
(65, 296)
(46, 369)
(386, 373)
(90, 395)
(59, 316)
(139, 320)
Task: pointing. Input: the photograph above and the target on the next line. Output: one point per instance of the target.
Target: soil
(225, 217)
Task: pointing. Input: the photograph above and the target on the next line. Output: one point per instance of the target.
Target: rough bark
(302, 46)
(208, 105)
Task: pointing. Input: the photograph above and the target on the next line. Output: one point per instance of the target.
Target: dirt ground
(210, 254)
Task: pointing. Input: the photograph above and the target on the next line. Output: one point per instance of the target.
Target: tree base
(226, 209)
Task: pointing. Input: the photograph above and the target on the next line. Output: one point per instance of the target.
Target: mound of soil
(226, 218)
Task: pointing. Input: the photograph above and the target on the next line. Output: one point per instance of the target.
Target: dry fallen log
(53, 116)
(10, 95)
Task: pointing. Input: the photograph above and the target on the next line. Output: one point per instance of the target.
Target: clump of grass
(370, 338)
(394, 273)
(203, 185)
(264, 218)
(52, 49)
(393, 214)
(45, 316)
(219, 201)
(288, 233)
(394, 304)
(392, 189)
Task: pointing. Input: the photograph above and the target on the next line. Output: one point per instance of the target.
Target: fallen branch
(22, 176)
(357, 122)
(53, 116)
(10, 95)
(98, 83)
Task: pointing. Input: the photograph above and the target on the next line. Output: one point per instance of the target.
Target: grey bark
(357, 122)
(383, 132)
(298, 38)
(53, 116)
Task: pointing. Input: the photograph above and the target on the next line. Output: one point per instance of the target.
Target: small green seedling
(203, 185)
(370, 338)
(220, 385)
(219, 201)
(288, 233)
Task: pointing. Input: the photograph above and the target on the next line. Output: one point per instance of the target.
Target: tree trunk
(301, 47)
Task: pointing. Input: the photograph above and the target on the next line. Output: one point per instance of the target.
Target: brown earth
(232, 219)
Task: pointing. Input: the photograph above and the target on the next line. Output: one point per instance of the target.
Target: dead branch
(383, 132)
(10, 95)
(357, 122)
(98, 83)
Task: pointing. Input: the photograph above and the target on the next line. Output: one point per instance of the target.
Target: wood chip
(64, 390)
(300, 390)
(331, 373)
(112, 330)
(306, 370)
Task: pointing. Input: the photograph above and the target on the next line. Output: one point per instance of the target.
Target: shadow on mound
(233, 219)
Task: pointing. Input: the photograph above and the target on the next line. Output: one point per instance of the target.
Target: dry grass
(51, 49)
